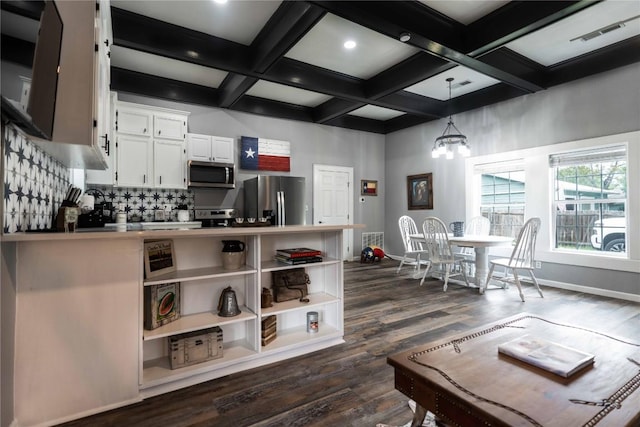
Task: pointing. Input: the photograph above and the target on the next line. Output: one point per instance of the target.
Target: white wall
(604, 104)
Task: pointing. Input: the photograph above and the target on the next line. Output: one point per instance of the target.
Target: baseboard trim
(573, 287)
(589, 290)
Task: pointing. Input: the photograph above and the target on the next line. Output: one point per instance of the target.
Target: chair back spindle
(435, 233)
(524, 251)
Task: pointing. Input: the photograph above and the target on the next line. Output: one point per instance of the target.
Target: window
(590, 198)
(502, 189)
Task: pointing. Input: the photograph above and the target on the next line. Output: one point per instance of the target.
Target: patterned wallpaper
(34, 182)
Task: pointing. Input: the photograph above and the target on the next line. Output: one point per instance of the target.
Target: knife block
(67, 218)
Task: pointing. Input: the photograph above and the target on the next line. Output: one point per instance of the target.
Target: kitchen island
(74, 341)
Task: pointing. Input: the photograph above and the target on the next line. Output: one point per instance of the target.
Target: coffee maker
(100, 215)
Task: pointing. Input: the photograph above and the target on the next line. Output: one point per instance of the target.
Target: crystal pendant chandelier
(443, 145)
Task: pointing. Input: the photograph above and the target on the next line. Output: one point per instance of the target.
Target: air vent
(462, 83)
(604, 30)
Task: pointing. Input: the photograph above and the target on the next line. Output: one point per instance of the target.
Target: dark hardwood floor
(351, 384)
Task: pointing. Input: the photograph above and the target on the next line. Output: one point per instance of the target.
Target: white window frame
(539, 195)
(582, 153)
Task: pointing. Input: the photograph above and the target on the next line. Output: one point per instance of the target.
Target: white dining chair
(440, 253)
(477, 226)
(522, 258)
(414, 253)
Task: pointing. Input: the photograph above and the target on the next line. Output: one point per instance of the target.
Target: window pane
(591, 227)
(590, 200)
(502, 200)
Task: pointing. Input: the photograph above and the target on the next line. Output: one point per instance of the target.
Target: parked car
(609, 234)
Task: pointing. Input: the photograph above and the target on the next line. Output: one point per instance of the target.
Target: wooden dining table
(480, 245)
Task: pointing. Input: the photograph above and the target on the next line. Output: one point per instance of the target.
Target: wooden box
(195, 347)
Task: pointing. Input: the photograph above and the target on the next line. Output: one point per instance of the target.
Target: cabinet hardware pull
(106, 142)
(144, 178)
(160, 179)
(144, 130)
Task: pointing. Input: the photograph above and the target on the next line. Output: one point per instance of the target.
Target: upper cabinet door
(102, 101)
(222, 148)
(133, 121)
(169, 164)
(169, 126)
(199, 147)
(135, 161)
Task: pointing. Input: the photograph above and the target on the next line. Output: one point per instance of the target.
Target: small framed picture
(420, 191)
(159, 258)
(368, 187)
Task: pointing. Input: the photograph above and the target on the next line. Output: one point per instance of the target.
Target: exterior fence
(505, 224)
(573, 229)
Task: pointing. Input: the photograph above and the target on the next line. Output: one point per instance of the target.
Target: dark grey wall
(604, 104)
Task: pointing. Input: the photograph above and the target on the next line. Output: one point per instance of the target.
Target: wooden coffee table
(465, 382)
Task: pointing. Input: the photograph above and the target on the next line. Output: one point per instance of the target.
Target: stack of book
(269, 329)
(293, 256)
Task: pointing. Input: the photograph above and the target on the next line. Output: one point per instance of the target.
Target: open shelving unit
(202, 279)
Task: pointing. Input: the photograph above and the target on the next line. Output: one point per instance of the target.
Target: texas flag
(265, 154)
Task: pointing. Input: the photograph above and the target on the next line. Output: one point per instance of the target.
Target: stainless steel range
(215, 217)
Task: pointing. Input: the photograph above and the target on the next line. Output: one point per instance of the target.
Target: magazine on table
(556, 358)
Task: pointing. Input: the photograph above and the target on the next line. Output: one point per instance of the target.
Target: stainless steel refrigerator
(281, 199)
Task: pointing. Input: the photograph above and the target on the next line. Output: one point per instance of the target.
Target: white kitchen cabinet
(108, 175)
(170, 126)
(79, 127)
(202, 280)
(134, 161)
(102, 99)
(133, 120)
(151, 146)
(169, 163)
(209, 148)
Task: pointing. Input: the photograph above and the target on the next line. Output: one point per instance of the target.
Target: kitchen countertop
(119, 233)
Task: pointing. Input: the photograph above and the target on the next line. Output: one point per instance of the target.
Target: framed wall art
(368, 187)
(159, 258)
(420, 191)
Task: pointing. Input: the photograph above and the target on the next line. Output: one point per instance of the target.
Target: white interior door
(333, 201)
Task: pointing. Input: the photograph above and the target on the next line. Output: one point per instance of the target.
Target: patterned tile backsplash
(35, 183)
(141, 203)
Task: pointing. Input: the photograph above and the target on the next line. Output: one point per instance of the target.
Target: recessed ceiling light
(349, 44)
(220, 1)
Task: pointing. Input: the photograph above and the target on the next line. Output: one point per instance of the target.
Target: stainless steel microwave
(211, 175)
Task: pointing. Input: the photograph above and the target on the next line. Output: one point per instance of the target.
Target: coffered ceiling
(287, 58)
